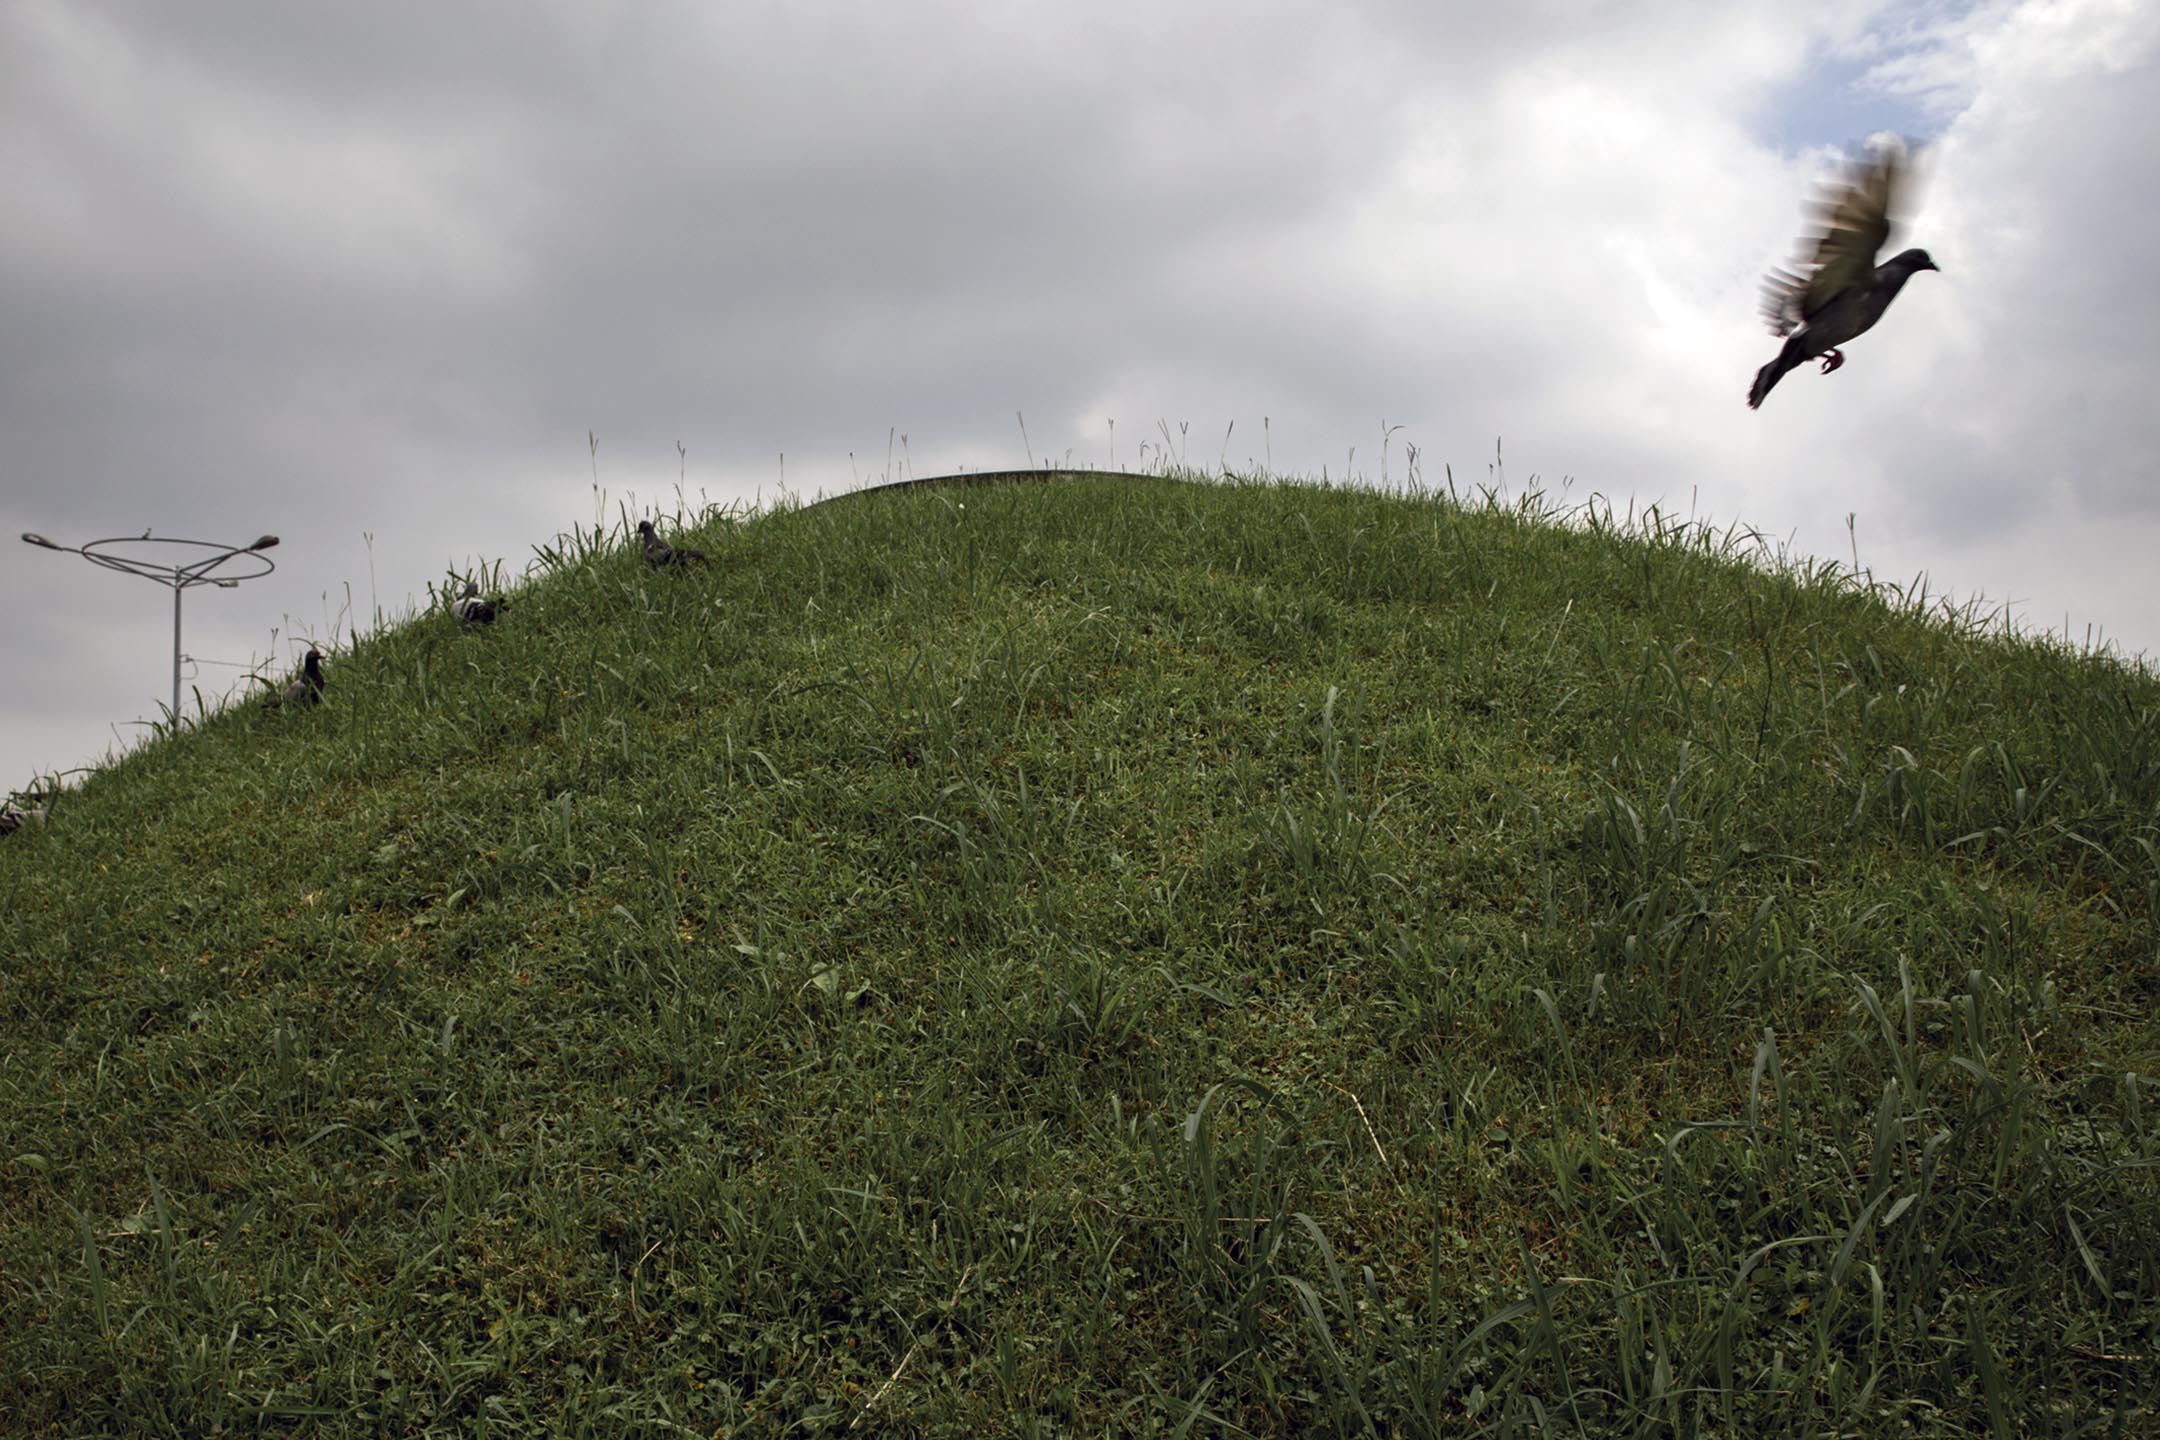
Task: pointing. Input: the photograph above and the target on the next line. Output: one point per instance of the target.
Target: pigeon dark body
(472, 610)
(308, 689)
(658, 553)
(1838, 292)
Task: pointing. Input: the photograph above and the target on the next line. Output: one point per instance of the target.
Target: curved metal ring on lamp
(176, 577)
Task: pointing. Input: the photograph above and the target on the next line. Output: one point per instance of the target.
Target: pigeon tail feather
(1766, 378)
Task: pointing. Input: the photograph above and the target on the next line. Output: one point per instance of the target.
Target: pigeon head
(644, 527)
(1914, 261)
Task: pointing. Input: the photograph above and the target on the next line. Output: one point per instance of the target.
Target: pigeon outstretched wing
(1855, 216)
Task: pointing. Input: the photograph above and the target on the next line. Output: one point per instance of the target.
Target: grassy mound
(1102, 957)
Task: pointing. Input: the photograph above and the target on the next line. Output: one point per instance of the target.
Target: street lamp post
(179, 577)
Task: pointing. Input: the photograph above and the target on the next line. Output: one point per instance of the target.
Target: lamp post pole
(178, 576)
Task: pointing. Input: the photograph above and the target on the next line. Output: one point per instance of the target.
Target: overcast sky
(380, 271)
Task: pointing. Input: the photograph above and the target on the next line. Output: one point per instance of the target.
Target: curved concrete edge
(985, 477)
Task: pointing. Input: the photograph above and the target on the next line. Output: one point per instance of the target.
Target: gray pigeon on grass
(1836, 291)
(308, 688)
(472, 610)
(658, 553)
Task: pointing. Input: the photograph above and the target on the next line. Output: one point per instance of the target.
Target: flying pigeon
(308, 689)
(659, 553)
(472, 610)
(1838, 291)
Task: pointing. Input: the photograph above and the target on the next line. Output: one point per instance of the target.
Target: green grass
(1108, 957)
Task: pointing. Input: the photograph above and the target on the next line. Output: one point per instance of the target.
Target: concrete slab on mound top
(985, 477)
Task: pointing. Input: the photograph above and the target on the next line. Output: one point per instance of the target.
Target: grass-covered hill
(1107, 957)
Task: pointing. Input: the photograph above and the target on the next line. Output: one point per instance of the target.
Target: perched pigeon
(472, 610)
(12, 819)
(1838, 291)
(308, 689)
(658, 552)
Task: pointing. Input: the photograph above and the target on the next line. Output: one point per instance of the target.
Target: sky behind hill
(367, 279)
